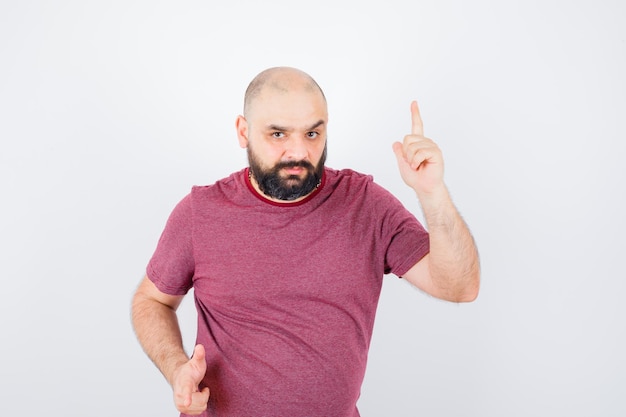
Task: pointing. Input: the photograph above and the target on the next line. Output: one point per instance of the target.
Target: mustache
(294, 164)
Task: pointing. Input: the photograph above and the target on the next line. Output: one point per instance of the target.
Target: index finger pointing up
(417, 127)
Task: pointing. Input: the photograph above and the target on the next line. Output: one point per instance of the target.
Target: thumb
(198, 352)
(198, 356)
(397, 149)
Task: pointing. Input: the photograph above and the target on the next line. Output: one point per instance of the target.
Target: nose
(296, 148)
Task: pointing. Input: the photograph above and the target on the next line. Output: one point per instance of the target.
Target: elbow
(464, 296)
(465, 291)
(470, 289)
(467, 296)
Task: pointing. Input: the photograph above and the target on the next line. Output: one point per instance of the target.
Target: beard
(291, 187)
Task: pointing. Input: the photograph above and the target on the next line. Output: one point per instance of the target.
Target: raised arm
(156, 326)
(451, 271)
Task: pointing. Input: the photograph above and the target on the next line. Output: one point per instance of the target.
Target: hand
(419, 159)
(187, 398)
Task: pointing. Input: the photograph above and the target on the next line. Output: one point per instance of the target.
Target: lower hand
(188, 398)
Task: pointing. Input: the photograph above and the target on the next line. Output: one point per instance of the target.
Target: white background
(111, 110)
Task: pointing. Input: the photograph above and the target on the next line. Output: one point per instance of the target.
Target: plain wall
(111, 110)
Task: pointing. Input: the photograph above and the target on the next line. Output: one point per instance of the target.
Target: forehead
(289, 107)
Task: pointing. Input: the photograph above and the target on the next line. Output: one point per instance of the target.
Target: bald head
(279, 80)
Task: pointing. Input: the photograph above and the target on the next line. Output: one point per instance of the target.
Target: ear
(241, 124)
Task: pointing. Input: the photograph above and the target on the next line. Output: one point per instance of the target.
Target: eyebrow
(316, 125)
(283, 129)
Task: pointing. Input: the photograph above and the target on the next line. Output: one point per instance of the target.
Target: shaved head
(279, 80)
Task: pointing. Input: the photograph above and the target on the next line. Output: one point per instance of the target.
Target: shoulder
(347, 179)
(346, 174)
(348, 189)
(228, 186)
(350, 181)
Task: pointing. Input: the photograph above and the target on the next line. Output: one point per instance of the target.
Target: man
(286, 259)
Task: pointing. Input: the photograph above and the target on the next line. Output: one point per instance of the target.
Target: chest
(243, 258)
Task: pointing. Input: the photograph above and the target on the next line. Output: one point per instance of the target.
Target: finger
(191, 399)
(416, 152)
(398, 150)
(199, 403)
(419, 157)
(198, 363)
(189, 385)
(417, 127)
(184, 398)
(198, 354)
(410, 146)
(203, 396)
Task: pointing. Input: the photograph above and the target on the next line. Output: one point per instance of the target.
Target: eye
(312, 135)
(278, 135)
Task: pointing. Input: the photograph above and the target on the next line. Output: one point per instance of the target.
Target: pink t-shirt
(286, 293)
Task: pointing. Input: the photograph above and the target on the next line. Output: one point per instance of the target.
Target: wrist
(434, 197)
(174, 367)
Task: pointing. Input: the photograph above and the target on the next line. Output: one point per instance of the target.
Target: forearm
(158, 332)
(453, 262)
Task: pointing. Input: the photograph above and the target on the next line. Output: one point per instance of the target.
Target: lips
(294, 170)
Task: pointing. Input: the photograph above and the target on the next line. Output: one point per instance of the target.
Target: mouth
(294, 170)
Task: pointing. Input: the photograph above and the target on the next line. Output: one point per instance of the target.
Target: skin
(451, 270)
(286, 119)
(156, 326)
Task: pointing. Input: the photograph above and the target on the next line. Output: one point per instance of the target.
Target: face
(285, 137)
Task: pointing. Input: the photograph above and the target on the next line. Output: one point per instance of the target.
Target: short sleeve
(172, 265)
(408, 241)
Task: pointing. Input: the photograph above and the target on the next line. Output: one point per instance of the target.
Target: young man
(286, 258)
